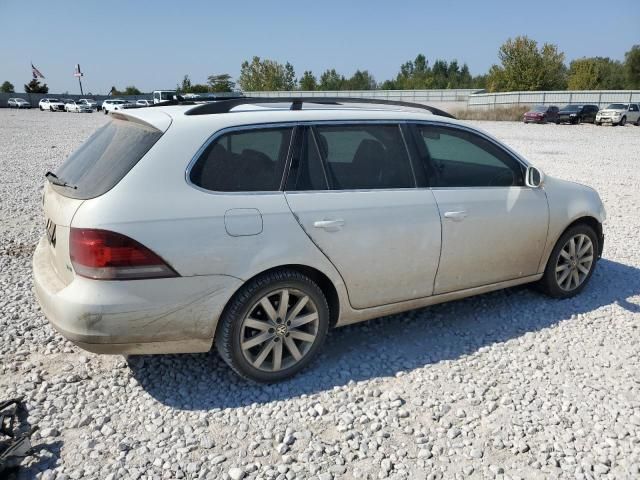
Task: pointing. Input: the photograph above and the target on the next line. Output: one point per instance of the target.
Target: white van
(163, 95)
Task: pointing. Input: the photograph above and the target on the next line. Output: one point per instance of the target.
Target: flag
(36, 72)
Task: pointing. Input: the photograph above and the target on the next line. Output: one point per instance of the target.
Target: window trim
(216, 135)
(521, 161)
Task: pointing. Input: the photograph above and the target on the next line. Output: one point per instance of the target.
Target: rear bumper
(170, 315)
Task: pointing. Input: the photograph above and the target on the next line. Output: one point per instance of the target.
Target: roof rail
(225, 105)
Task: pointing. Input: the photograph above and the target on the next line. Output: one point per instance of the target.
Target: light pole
(79, 74)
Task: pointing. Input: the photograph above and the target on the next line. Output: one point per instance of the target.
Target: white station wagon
(256, 226)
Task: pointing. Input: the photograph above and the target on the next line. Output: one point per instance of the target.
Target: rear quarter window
(105, 158)
(243, 161)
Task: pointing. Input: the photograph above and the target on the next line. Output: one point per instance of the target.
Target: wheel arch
(321, 279)
(589, 220)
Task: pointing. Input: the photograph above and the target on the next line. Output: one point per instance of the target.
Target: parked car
(577, 114)
(90, 102)
(109, 105)
(51, 104)
(541, 114)
(144, 103)
(286, 222)
(77, 107)
(619, 114)
(18, 103)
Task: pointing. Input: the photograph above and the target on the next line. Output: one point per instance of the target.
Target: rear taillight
(105, 255)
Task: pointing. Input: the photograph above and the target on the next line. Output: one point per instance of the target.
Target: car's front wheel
(571, 262)
(274, 326)
(623, 122)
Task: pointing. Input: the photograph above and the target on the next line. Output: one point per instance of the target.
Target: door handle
(456, 216)
(329, 224)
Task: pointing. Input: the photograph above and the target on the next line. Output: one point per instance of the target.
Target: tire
(105, 112)
(552, 282)
(258, 362)
(623, 122)
(598, 123)
(41, 109)
(637, 124)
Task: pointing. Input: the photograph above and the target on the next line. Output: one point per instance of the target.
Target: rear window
(105, 158)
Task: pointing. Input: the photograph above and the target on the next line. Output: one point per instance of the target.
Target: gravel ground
(506, 385)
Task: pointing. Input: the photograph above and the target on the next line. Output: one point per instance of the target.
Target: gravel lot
(508, 385)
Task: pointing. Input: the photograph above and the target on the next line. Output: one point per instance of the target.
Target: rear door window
(365, 156)
(105, 158)
(243, 161)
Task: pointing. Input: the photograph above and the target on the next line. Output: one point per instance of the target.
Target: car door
(352, 189)
(634, 113)
(494, 228)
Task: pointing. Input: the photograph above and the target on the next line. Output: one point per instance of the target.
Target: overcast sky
(153, 44)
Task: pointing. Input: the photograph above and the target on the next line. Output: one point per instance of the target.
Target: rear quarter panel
(156, 206)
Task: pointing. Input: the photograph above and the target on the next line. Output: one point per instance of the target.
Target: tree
(289, 77)
(7, 87)
(34, 87)
(131, 90)
(185, 86)
(632, 67)
(361, 80)
(525, 67)
(331, 80)
(220, 83)
(199, 88)
(596, 73)
(416, 74)
(308, 81)
(261, 75)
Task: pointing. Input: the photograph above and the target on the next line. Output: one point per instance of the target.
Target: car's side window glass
(634, 108)
(364, 156)
(457, 158)
(306, 171)
(243, 161)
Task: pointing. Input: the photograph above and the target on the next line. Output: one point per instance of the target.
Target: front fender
(568, 202)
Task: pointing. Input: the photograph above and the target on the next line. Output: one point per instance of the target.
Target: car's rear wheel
(571, 262)
(273, 327)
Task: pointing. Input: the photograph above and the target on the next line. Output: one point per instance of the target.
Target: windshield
(572, 108)
(617, 106)
(166, 95)
(53, 99)
(539, 108)
(105, 158)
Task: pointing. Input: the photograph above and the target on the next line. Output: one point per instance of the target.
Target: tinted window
(364, 156)
(457, 158)
(243, 161)
(633, 108)
(306, 171)
(105, 158)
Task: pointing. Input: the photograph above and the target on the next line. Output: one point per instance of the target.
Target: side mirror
(534, 178)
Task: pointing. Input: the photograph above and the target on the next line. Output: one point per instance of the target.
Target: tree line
(524, 66)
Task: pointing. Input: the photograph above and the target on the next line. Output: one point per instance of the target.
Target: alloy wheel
(574, 262)
(279, 330)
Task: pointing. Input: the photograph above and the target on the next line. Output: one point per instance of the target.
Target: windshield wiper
(53, 178)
